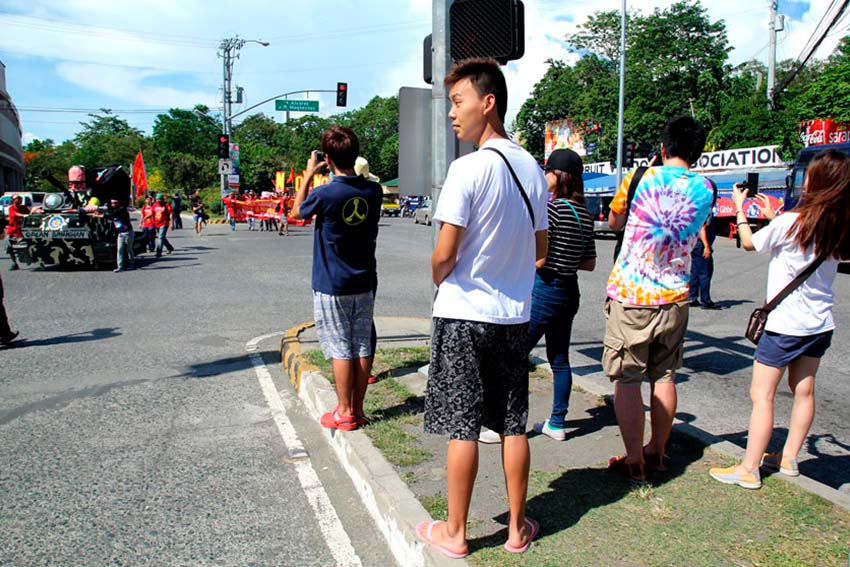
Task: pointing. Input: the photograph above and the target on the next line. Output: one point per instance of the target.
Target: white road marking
(332, 530)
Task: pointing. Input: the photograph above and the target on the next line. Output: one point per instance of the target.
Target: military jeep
(63, 231)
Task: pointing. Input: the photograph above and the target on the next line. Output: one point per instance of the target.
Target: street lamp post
(228, 51)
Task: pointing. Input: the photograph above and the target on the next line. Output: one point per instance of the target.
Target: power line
(804, 59)
(54, 26)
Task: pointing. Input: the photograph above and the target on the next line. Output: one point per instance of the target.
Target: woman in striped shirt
(555, 298)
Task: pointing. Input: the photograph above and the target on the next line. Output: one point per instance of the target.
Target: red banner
(826, 131)
(262, 209)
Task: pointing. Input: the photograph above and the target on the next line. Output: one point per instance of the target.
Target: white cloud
(29, 137)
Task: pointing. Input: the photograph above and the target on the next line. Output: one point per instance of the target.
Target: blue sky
(139, 58)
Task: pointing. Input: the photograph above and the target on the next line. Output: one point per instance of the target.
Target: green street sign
(297, 105)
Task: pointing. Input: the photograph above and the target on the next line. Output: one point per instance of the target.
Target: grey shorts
(478, 376)
(344, 324)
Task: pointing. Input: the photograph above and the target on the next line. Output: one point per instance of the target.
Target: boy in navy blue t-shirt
(347, 212)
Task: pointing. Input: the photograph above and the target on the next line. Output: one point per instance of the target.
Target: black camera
(320, 157)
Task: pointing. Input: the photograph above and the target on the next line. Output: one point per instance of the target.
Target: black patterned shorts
(478, 376)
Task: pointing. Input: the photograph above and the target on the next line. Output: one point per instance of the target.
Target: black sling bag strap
(638, 175)
(518, 184)
(795, 283)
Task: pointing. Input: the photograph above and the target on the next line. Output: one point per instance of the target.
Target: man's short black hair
(684, 138)
(486, 77)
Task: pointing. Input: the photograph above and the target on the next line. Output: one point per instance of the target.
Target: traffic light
(341, 94)
(628, 156)
(224, 146)
(487, 28)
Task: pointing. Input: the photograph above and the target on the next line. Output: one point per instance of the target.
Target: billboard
(565, 133)
(826, 131)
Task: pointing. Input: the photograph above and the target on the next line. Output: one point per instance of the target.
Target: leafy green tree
(676, 63)
(181, 131)
(108, 140)
(39, 145)
(187, 172)
(259, 156)
(55, 159)
(376, 126)
(828, 94)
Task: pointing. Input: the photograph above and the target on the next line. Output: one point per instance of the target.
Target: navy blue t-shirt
(347, 213)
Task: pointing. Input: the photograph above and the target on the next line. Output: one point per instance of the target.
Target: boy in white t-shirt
(492, 230)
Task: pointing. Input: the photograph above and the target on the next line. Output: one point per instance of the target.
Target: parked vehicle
(599, 206)
(423, 213)
(390, 208)
(6, 200)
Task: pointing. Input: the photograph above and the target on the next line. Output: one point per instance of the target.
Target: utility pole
(771, 54)
(622, 105)
(228, 50)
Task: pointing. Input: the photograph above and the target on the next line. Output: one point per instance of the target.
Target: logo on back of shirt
(355, 211)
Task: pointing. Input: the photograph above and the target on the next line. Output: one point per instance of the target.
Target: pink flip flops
(423, 532)
(533, 530)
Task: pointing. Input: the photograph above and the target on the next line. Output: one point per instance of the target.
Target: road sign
(297, 105)
(225, 166)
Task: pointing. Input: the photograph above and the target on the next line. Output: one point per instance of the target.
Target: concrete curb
(713, 442)
(390, 502)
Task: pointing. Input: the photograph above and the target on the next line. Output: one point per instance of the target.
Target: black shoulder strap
(638, 175)
(795, 283)
(518, 184)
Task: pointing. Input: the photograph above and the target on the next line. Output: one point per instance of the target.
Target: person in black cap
(555, 297)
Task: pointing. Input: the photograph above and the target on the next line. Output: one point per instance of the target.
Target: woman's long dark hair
(825, 207)
(569, 187)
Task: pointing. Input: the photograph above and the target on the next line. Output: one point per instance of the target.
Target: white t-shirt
(808, 310)
(492, 279)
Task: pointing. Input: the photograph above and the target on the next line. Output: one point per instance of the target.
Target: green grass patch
(317, 359)
(394, 411)
(685, 518)
(388, 360)
(436, 505)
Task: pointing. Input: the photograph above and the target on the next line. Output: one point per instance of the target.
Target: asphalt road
(134, 429)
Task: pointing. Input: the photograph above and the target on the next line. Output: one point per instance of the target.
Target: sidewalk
(593, 437)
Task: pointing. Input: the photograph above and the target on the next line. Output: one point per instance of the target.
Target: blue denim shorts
(778, 350)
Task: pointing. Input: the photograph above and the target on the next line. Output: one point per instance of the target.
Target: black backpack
(638, 175)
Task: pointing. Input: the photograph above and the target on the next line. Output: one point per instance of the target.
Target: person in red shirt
(148, 230)
(230, 207)
(15, 233)
(161, 222)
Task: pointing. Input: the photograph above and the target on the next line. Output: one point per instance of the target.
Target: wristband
(743, 222)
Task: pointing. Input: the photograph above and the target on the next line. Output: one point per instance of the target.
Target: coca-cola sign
(824, 131)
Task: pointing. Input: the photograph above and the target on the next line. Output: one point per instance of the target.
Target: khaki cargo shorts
(643, 341)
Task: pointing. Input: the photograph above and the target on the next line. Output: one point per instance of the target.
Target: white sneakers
(544, 429)
(488, 436)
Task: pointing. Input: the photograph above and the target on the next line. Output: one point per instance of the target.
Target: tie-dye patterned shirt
(669, 207)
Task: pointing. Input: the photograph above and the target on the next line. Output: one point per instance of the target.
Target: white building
(11, 151)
